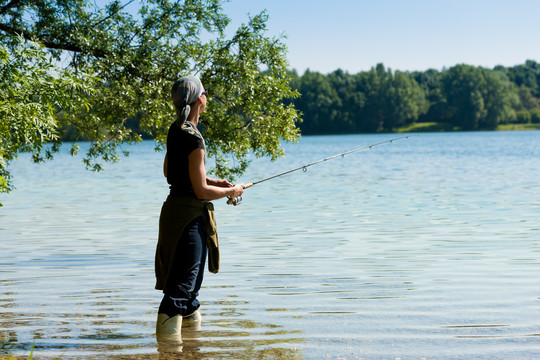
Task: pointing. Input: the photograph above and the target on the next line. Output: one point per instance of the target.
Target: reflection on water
(424, 248)
(237, 339)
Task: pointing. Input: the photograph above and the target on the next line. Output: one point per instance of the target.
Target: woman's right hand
(238, 190)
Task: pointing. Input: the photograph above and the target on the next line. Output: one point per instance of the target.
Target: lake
(423, 248)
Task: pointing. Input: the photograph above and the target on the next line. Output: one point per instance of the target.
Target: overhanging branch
(99, 53)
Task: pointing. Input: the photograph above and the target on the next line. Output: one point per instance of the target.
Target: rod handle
(238, 200)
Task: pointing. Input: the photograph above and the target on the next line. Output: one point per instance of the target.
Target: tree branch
(99, 53)
(111, 15)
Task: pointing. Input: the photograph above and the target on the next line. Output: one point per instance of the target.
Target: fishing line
(236, 201)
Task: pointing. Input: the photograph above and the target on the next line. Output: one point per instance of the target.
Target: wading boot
(169, 329)
(193, 321)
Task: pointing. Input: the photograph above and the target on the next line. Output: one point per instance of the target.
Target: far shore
(442, 127)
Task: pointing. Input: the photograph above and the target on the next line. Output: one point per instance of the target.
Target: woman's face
(203, 98)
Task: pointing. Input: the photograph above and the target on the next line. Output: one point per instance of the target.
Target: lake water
(427, 247)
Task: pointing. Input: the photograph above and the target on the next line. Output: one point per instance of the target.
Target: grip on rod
(238, 200)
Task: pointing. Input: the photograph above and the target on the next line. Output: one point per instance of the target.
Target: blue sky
(406, 35)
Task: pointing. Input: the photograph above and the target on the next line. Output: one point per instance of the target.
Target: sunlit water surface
(427, 247)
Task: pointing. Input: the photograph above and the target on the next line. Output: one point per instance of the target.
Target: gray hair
(184, 92)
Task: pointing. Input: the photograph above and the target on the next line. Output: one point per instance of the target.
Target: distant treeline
(463, 97)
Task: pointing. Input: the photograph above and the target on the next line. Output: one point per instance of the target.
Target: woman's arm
(203, 190)
(218, 182)
(165, 165)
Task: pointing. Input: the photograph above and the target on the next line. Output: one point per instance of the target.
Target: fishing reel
(237, 200)
(234, 201)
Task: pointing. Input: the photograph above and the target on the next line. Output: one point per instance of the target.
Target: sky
(405, 35)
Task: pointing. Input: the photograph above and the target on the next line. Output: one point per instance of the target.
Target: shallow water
(423, 248)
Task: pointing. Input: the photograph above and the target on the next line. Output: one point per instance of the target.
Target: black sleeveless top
(181, 141)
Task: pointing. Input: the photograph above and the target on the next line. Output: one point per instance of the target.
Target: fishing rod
(238, 200)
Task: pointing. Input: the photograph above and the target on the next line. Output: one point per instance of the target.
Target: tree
(389, 99)
(319, 103)
(500, 98)
(370, 83)
(430, 82)
(33, 95)
(120, 60)
(477, 98)
(347, 99)
(405, 100)
(526, 75)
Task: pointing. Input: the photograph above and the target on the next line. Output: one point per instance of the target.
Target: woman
(186, 221)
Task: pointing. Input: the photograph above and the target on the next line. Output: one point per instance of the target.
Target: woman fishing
(186, 223)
